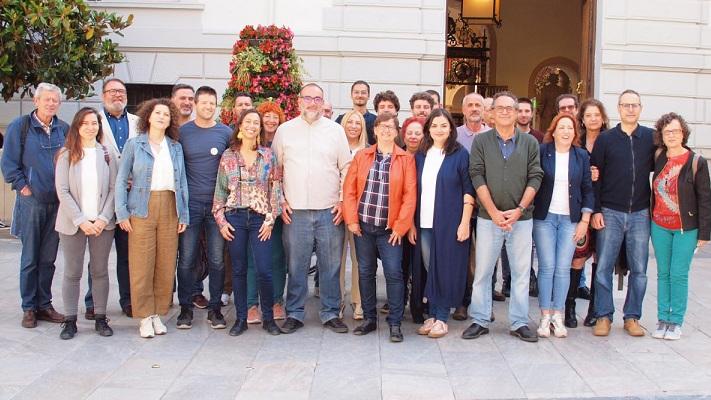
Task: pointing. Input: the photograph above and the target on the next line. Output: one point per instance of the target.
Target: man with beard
(435, 97)
(360, 93)
(421, 104)
(243, 101)
(314, 154)
(525, 115)
(183, 98)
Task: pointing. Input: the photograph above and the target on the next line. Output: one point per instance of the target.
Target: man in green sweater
(506, 172)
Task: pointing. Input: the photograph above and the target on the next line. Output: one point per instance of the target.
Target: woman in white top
(561, 216)
(84, 178)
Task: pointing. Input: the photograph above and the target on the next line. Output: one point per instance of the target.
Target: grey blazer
(68, 183)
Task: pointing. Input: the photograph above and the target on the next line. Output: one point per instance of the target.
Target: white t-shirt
(162, 177)
(89, 184)
(433, 161)
(560, 204)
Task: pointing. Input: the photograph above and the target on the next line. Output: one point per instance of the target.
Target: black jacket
(625, 162)
(694, 195)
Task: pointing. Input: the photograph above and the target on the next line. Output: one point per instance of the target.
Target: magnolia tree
(264, 64)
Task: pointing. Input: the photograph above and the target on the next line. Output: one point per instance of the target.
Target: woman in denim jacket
(151, 205)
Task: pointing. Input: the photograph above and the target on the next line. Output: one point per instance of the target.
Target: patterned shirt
(666, 193)
(373, 205)
(256, 186)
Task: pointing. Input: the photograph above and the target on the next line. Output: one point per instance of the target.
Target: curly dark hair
(422, 96)
(451, 145)
(145, 110)
(235, 142)
(387, 95)
(665, 120)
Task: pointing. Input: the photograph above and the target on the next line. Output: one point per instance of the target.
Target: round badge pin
(213, 151)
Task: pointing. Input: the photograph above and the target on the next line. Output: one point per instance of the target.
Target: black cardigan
(694, 194)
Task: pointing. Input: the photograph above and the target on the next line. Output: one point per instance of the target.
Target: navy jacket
(37, 169)
(580, 190)
(625, 162)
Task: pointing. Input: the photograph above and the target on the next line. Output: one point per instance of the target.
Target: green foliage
(58, 41)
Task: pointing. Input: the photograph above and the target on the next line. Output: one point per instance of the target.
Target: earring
(240, 135)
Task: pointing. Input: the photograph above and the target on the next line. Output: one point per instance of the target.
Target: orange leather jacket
(402, 188)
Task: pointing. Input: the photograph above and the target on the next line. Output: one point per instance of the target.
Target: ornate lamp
(483, 12)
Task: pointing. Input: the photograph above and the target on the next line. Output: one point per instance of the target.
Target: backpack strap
(23, 135)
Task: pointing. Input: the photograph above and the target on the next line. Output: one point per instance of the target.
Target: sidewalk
(315, 363)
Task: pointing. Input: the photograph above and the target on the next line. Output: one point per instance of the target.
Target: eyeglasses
(309, 99)
(566, 108)
(386, 128)
(630, 106)
(670, 132)
(502, 109)
(115, 92)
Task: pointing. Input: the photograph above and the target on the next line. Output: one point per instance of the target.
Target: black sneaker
(69, 329)
(336, 325)
(217, 321)
(101, 325)
(185, 319)
(271, 327)
(395, 334)
(238, 328)
(365, 328)
(291, 325)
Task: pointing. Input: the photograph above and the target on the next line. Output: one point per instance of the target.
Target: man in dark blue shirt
(203, 141)
(360, 93)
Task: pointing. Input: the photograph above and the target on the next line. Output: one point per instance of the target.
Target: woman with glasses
(379, 196)
(154, 212)
(85, 178)
(681, 221)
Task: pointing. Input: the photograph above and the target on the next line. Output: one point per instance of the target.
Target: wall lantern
(485, 12)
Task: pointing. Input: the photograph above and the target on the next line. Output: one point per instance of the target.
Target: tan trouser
(348, 242)
(152, 251)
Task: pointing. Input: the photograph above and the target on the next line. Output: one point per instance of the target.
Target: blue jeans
(488, 248)
(374, 241)
(124, 284)
(188, 247)
(440, 313)
(307, 226)
(247, 224)
(634, 228)
(555, 247)
(39, 251)
(278, 268)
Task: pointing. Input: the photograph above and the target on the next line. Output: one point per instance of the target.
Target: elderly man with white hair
(31, 143)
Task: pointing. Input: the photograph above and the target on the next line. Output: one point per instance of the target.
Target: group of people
(247, 205)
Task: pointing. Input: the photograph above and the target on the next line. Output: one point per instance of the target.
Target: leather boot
(590, 318)
(571, 320)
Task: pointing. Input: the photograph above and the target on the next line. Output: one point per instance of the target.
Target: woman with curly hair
(153, 212)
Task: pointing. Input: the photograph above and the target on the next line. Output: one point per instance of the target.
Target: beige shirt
(315, 159)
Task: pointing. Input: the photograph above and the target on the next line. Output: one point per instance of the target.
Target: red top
(666, 193)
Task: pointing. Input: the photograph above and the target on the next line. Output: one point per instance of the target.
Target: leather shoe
(365, 328)
(239, 327)
(336, 325)
(50, 315)
(89, 314)
(525, 334)
(271, 327)
(395, 334)
(460, 314)
(583, 293)
(497, 296)
(291, 325)
(474, 331)
(590, 320)
(128, 310)
(29, 319)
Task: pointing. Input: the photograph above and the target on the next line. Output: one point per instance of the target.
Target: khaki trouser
(355, 289)
(152, 252)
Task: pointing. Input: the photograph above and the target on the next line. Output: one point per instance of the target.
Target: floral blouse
(257, 186)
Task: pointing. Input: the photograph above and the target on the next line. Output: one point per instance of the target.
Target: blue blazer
(580, 190)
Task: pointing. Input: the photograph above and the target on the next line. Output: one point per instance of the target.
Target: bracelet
(586, 221)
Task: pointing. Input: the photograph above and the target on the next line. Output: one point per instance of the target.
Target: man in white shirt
(315, 156)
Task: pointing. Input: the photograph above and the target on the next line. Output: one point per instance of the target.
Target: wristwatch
(522, 208)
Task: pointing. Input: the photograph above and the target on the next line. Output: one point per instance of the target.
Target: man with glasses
(31, 143)
(314, 154)
(506, 173)
(567, 103)
(624, 156)
(360, 93)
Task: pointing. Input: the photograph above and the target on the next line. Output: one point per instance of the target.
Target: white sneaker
(158, 325)
(146, 328)
(558, 326)
(661, 330)
(544, 327)
(225, 299)
(673, 332)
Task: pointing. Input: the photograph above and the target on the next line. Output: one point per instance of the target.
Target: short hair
(243, 94)
(109, 80)
(409, 121)
(385, 118)
(360, 82)
(205, 90)
(525, 100)
(472, 94)
(421, 96)
(270, 106)
(387, 95)
(314, 85)
(505, 93)
(629, 91)
(363, 138)
(179, 86)
(450, 145)
(145, 110)
(434, 93)
(566, 96)
(46, 87)
(581, 113)
(665, 120)
(548, 137)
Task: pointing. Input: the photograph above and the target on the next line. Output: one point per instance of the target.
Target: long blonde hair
(362, 141)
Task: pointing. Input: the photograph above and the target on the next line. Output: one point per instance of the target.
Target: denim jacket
(137, 163)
